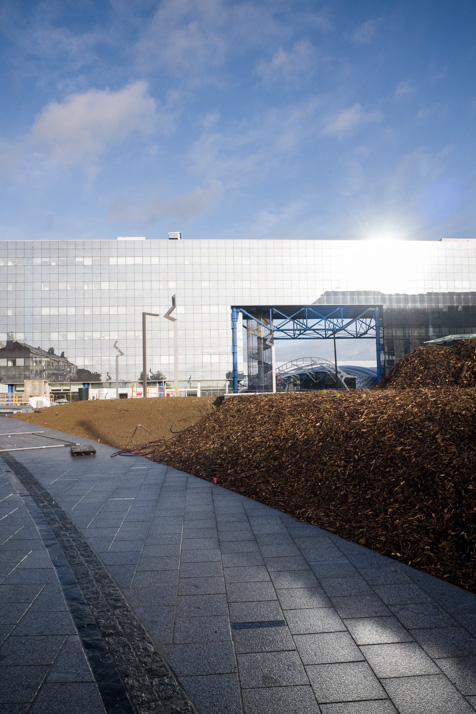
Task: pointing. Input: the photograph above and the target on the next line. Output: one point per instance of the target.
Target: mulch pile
(394, 471)
(435, 366)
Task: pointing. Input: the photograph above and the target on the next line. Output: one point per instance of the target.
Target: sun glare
(385, 236)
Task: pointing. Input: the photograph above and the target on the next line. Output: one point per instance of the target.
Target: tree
(157, 376)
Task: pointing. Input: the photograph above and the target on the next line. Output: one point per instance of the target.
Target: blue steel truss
(310, 322)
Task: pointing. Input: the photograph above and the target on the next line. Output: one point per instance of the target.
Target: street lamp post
(168, 316)
(144, 350)
(121, 354)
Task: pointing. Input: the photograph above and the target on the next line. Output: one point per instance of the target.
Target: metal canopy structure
(267, 323)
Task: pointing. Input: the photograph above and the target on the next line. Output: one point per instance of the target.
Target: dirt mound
(114, 421)
(435, 366)
(394, 471)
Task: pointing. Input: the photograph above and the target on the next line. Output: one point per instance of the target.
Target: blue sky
(230, 119)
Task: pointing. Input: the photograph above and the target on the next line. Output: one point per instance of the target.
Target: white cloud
(10, 157)
(194, 40)
(210, 120)
(156, 206)
(289, 66)
(426, 112)
(350, 119)
(284, 223)
(365, 32)
(320, 20)
(83, 125)
(404, 89)
(184, 36)
(256, 145)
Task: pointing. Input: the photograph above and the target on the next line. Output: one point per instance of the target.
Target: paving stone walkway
(215, 603)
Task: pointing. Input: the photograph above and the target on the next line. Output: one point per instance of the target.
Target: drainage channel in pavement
(132, 676)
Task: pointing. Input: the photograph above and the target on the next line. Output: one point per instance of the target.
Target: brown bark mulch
(394, 471)
(435, 366)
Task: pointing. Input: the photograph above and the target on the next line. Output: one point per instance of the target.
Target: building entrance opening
(265, 325)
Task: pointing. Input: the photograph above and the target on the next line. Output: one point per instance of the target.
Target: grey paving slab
(240, 546)
(5, 631)
(160, 562)
(254, 610)
(344, 682)
(31, 650)
(215, 693)
(419, 615)
(295, 579)
(20, 683)
(378, 706)
(71, 664)
(354, 586)
(263, 639)
(421, 695)
(151, 597)
(360, 606)
(302, 597)
(401, 593)
(201, 586)
(377, 630)
(10, 613)
(388, 575)
(249, 592)
(199, 543)
(314, 620)
(241, 559)
(155, 579)
(75, 698)
(292, 700)
(17, 593)
(200, 658)
(267, 669)
(446, 641)
(45, 623)
(200, 605)
(327, 647)
(203, 629)
(399, 660)
(122, 574)
(201, 556)
(207, 569)
(461, 671)
(246, 574)
(159, 622)
(286, 563)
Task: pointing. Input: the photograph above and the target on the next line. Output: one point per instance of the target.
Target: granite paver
(253, 610)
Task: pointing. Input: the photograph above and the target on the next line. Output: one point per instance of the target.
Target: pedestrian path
(227, 605)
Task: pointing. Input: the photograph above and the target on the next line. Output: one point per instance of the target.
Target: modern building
(79, 297)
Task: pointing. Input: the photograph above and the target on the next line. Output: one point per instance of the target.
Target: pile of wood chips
(393, 470)
(435, 366)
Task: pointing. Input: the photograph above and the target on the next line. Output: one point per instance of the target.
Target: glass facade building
(79, 297)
